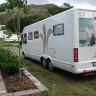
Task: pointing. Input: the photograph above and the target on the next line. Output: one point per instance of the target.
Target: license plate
(94, 64)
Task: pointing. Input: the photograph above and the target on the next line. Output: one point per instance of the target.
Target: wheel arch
(45, 57)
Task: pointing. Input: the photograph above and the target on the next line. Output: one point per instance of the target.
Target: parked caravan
(66, 41)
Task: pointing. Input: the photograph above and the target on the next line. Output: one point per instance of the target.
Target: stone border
(40, 91)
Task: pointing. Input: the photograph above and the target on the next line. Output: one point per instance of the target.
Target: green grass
(63, 83)
(1, 41)
(10, 44)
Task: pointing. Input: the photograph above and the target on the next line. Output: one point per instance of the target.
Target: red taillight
(75, 54)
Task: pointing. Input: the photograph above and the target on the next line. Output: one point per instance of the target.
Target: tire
(51, 67)
(23, 56)
(44, 64)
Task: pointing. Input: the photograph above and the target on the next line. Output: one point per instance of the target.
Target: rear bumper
(83, 67)
(84, 70)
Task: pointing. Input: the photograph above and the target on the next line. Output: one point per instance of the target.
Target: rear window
(87, 32)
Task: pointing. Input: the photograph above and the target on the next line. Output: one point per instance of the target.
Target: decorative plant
(17, 7)
(9, 61)
(14, 79)
(16, 89)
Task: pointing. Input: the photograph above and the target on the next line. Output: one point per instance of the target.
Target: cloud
(88, 4)
(2, 1)
(38, 2)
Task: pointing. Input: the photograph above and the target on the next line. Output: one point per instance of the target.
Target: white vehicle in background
(66, 41)
(2, 36)
(13, 38)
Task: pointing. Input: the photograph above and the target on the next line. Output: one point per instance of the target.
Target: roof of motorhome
(59, 14)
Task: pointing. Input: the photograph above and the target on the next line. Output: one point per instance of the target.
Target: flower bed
(38, 89)
(14, 83)
(17, 84)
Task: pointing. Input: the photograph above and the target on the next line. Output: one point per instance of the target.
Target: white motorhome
(66, 41)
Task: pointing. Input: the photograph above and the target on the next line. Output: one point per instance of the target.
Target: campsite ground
(61, 83)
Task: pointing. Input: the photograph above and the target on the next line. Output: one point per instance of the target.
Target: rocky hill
(41, 10)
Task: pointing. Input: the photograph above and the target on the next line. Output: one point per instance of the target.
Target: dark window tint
(36, 35)
(25, 39)
(30, 36)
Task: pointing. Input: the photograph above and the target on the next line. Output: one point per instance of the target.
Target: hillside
(34, 10)
(40, 9)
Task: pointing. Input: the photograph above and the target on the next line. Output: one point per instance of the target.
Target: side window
(36, 35)
(25, 39)
(58, 29)
(30, 36)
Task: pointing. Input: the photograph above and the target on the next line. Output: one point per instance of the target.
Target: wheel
(44, 64)
(23, 56)
(51, 67)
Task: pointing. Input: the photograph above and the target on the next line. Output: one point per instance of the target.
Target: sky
(84, 4)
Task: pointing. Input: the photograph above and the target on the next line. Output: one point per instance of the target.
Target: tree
(24, 21)
(57, 9)
(17, 6)
(66, 5)
(2, 7)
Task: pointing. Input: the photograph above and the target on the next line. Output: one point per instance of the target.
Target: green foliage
(24, 21)
(1, 42)
(52, 92)
(19, 5)
(8, 32)
(56, 9)
(16, 89)
(2, 7)
(3, 28)
(28, 85)
(15, 78)
(9, 61)
(11, 4)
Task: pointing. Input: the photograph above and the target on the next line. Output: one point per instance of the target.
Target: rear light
(75, 54)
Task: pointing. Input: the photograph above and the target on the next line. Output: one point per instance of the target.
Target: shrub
(9, 61)
(8, 32)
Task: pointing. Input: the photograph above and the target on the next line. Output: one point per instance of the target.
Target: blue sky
(84, 4)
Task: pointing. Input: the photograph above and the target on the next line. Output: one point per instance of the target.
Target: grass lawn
(62, 83)
(10, 44)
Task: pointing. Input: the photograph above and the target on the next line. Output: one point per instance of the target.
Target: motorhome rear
(66, 41)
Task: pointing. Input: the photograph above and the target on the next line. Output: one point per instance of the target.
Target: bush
(8, 32)
(9, 61)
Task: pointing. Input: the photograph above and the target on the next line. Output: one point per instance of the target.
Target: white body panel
(59, 49)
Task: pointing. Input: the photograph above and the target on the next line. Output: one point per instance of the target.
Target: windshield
(87, 32)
